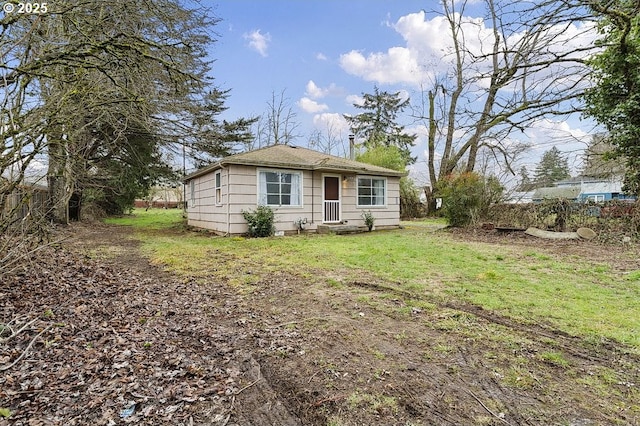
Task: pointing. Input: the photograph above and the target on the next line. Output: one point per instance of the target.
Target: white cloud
(421, 132)
(37, 165)
(541, 136)
(36, 172)
(313, 91)
(544, 134)
(428, 50)
(311, 106)
(354, 100)
(258, 41)
(333, 121)
(321, 57)
(397, 65)
(554, 130)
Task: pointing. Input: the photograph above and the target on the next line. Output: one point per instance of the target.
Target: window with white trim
(279, 188)
(371, 191)
(595, 198)
(192, 191)
(218, 188)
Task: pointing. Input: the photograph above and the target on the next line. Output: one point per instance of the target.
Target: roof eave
(221, 163)
(361, 171)
(203, 171)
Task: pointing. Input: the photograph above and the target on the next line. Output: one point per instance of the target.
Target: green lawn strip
(570, 293)
(150, 220)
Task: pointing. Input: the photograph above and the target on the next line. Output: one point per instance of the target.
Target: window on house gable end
(218, 188)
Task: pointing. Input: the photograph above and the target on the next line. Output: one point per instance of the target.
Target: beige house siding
(240, 192)
(205, 212)
(386, 216)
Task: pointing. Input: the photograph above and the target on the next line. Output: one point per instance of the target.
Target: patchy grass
(150, 220)
(376, 403)
(555, 358)
(570, 293)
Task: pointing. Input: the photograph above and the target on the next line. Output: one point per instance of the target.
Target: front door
(331, 201)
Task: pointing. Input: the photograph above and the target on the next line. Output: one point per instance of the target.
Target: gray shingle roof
(292, 157)
(568, 192)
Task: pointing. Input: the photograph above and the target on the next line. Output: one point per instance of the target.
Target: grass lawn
(427, 267)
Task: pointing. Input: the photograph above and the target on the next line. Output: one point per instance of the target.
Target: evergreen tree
(600, 160)
(212, 139)
(553, 167)
(378, 125)
(525, 183)
(614, 101)
(105, 90)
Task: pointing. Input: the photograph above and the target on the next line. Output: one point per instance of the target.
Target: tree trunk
(432, 139)
(59, 191)
(431, 200)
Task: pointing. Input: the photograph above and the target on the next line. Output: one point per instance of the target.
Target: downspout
(228, 201)
(185, 212)
(313, 198)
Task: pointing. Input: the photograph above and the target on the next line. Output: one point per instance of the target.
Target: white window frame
(262, 196)
(217, 182)
(384, 197)
(192, 191)
(596, 198)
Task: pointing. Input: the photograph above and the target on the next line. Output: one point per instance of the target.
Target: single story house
(603, 191)
(520, 197)
(307, 189)
(570, 193)
(584, 190)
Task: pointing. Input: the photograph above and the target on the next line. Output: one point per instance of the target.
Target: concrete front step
(340, 229)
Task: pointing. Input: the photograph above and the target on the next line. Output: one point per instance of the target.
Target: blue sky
(302, 42)
(326, 53)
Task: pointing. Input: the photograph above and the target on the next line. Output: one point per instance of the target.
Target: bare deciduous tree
(329, 140)
(280, 124)
(92, 80)
(499, 75)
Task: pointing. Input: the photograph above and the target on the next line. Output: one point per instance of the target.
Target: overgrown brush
(613, 221)
(466, 197)
(24, 228)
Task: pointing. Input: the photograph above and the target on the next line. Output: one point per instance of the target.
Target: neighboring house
(603, 191)
(519, 197)
(584, 190)
(300, 184)
(570, 193)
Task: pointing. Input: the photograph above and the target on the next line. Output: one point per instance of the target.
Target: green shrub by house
(260, 221)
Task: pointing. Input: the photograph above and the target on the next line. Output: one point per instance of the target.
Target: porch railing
(331, 211)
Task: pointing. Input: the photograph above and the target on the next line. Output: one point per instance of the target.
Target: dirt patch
(111, 339)
(621, 255)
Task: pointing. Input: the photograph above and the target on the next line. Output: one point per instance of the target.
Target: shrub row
(612, 220)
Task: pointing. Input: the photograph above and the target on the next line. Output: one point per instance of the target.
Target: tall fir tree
(525, 183)
(109, 88)
(378, 124)
(553, 167)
